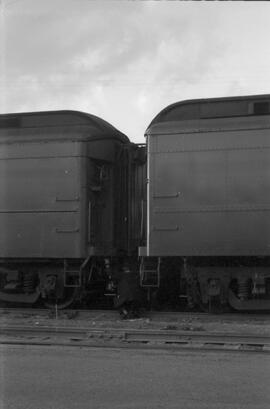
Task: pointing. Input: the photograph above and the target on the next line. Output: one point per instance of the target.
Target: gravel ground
(52, 377)
(244, 324)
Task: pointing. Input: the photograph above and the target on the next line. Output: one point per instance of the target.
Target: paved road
(66, 378)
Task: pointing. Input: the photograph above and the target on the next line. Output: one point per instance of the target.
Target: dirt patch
(174, 322)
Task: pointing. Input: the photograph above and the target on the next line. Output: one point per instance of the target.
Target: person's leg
(124, 313)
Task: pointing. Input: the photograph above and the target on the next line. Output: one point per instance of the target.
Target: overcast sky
(126, 60)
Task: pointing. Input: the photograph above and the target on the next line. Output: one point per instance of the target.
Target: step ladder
(72, 277)
(150, 272)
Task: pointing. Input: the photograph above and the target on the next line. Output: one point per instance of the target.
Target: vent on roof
(261, 108)
(10, 122)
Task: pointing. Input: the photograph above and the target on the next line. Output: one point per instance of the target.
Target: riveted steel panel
(40, 234)
(41, 206)
(56, 179)
(209, 188)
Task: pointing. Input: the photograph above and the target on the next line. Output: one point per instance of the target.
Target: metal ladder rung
(150, 277)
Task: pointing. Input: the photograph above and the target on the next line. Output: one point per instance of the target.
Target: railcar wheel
(68, 298)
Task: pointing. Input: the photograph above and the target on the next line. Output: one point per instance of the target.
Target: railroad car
(208, 202)
(69, 184)
(188, 213)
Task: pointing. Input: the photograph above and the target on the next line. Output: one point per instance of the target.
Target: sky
(125, 61)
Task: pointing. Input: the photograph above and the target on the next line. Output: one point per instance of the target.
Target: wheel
(70, 294)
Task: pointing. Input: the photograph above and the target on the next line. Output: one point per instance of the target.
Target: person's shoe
(124, 314)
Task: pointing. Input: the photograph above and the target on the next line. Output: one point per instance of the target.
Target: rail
(153, 315)
(111, 337)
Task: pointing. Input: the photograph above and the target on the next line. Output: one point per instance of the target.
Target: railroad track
(158, 315)
(111, 337)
